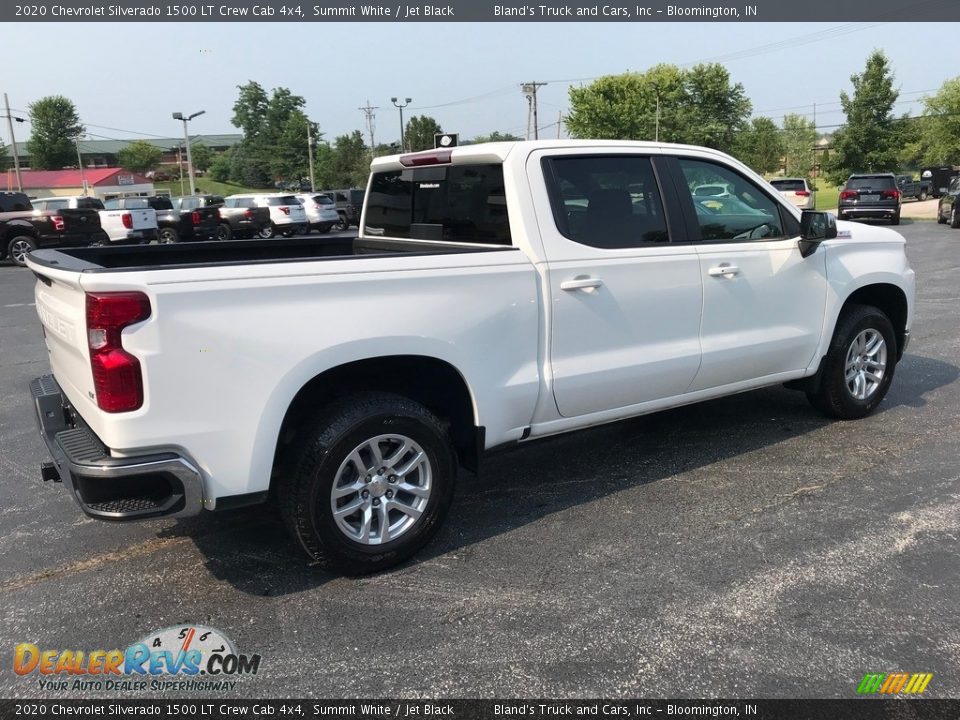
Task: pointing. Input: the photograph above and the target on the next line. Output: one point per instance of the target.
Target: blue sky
(131, 77)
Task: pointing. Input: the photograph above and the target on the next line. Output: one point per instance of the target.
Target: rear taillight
(248, 214)
(895, 194)
(848, 195)
(58, 222)
(127, 221)
(117, 379)
(802, 193)
(285, 209)
(195, 217)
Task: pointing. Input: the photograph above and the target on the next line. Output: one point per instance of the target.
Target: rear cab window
(455, 203)
(871, 182)
(283, 200)
(789, 185)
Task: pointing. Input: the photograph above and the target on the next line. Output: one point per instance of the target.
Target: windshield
(283, 200)
(873, 182)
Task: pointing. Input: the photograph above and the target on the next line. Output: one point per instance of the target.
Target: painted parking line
(20, 305)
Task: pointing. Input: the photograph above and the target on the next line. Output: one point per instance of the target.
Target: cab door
(624, 301)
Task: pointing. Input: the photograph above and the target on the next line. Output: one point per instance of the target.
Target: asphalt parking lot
(744, 547)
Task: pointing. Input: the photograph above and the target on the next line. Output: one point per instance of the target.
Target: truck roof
(497, 152)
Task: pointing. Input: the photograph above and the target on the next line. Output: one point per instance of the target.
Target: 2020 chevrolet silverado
(496, 294)
(121, 226)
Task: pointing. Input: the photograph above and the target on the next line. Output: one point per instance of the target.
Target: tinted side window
(606, 202)
(458, 203)
(56, 204)
(740, 212)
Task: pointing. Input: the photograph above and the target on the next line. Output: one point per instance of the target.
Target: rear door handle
(586, 283)
(723, 271)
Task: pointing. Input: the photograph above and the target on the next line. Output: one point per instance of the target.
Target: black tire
(168, 236)
(954, 218)
(923, 195)
(841, 216)
(895, 220)
(304, 493)
(342, 223)
(834, 398)
(267, 232)
(224, 232)
(941, 220)
(19, 247)
(287, 233)
(323, 229)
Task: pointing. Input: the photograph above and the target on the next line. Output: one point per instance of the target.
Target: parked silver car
(321, 211)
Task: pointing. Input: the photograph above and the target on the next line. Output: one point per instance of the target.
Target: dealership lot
(744, 547)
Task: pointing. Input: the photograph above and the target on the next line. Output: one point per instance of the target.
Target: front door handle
(582, 283)
(723, 271)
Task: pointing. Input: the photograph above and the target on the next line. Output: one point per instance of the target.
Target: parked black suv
(949, 208)
(870, 195)
(349, 204)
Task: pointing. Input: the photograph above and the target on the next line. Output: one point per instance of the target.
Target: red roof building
(99, 182)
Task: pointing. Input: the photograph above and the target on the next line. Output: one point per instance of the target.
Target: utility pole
(529, 91)
(371, 124)
(559, 123)
(13, 140)
(313, 187)
(186, 139)
(83, 180)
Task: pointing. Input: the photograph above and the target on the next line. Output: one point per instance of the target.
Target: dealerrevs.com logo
(184, 657)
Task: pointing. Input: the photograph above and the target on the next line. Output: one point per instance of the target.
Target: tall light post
(403, 129)
(186, 140)
(310, 144)
(13, 140)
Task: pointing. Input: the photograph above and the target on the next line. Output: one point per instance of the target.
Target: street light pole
(313, 187)
(13, 141)
(83, 180)
(186, 140)
(403, 128)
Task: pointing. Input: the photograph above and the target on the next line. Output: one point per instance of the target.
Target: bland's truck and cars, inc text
(496, 294)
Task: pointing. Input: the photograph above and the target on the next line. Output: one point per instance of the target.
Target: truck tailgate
(61, 305)
(140, 219)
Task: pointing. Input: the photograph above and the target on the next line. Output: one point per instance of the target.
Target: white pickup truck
(496, 294)
(121, 226)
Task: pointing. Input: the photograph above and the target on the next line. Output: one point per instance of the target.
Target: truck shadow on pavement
(251, 550)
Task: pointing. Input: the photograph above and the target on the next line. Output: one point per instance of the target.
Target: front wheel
(19, 248)
(373, 482)
(941, 220)
(168, 236)
(859, 365)
(954, 219)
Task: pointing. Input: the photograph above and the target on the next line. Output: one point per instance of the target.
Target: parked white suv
(287, 214)
(797, 191)
(321, 211)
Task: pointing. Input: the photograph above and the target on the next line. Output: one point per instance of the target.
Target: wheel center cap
(377, 486)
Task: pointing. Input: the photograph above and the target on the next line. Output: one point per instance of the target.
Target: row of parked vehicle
(63, 221)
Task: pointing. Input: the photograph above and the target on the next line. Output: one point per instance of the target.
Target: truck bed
(239, 252)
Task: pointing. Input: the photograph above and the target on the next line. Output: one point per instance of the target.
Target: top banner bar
(622, 11)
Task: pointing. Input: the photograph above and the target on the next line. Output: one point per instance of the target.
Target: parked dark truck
(939, 178)
(910, 188)
(349, 204)
(239, 217)
(23, 229)
(173, 224)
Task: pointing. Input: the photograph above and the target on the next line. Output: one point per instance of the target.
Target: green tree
(799, 140)
(939, 130)
(495, 136)
(55, 128)
(761, 146)
(420, 131)
(220, 166)
(868, 142)
(274, 135)
(349, 162)
(699, 106)
(140, 156)
(202, 156)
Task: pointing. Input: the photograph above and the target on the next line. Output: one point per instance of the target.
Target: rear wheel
(19, 248)
(895, 220)
(342, 223)
(373, 481)
(859, 365)
(168, 236)
(954, 218)
(923, 194)
(267, 231)
(224, 232)
(940, 218)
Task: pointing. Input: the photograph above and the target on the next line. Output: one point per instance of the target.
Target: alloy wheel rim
(866, 364)
(20, 250)
(381, 489)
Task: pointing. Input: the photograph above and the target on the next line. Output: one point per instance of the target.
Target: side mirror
(815, 227)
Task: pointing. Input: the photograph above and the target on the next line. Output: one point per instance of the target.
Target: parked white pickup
(121, 226)
(496, 294)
